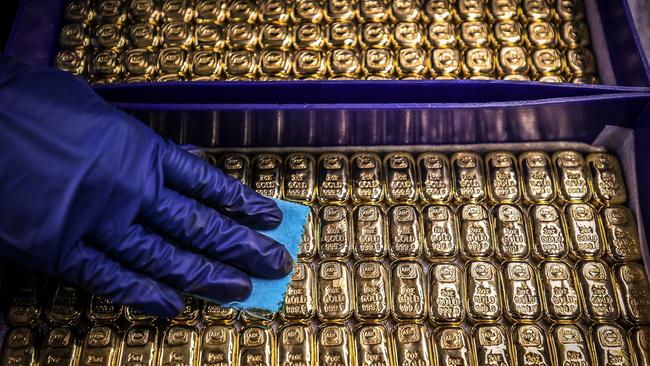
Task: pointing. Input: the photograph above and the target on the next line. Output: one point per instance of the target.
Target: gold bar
(572, 177)
(445, 63)
(409, 292)
(335, 345)
(508, 33)
(173, 61)
(503, 9)
(584, 228)
(476, 231)
(210, 11)
(335, 232)
(333, 178)
(335, 290)
(474, 34)
(60, 348)
(511, 235)
(534, 10)
(219, 345)
(78, 11)
(574, 34)
(101, 309)
(512, 60)
(266, 176)
(205, 64)
(531, 345)
(216, 314)
(607, 179)
(411, 61)
(275, 11)
(521, 291)
(571, 345)
(410, 344)
(367, 178)
(373, 10)
(24, 308)
(74, 36)
(307, 11)
(241, 36)
(442, 34)
(100, 346)
(257, 316)
(136, 316)
(468, 176)
(569, 10)
(374, 35)
(546, 61)
(561, 299)
(483, 292)
(240, 65)
(309, 239)
(622, 234)
(405, 10)
(611, 345)
(372, 291)
(300, 298)
(435, 178)
(308, 35)
(19, 348)
(139, 62)
(446, 291)
(441, 232)
(139, 346)
(599, 299)
(180, 346)
(502, 176)
(439, 10)
(299, 178)
(177, 10)
(209, 37)
(452, 346)
(541, 34)
(470, 9)
(400, 178)
(296, 345)
(235, 165)
(407, 34)
(72, 61)
(369, 232)
(242, 11)
(373, 345)
(144, 35)
(492, 345)
(274, 63)
(640, 341)
(633, 292)
(177, 34)
(340, 10)
(580, 64)
(404, 231)
(343, 63)
(65, 306)
(309, 64)
(190, 314)
(549, 239)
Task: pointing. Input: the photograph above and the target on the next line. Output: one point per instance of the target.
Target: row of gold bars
(145, 40)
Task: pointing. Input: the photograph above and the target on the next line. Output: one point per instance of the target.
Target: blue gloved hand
(95, 197)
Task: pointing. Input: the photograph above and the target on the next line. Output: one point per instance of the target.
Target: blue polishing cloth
(269, 294)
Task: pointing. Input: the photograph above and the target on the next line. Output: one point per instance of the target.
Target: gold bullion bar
(445, 62)
(340, 10)
(441, 35)
(611, 345)
(452, 347)
(503, 9)
(333, 178)
(66, 306)
(177, 10)
(542, 35)
(561, 299)
(407, 34)
(241, 36)
(308, 35)
(299, 178)
(79, 11)
(309, 64)
(622, 234)
(180, 346)
(479, 63)
(101, 309)
(534, 10)
(191, 310)
(24, 308)
(274, 64)
(242, 11)
(531, 345)
(100, 346)
(61, 347)
(502, 176)
(296, 345)
(19, 348)
(110, 11)
(136, 316)
(508, 33)
(511, 235)
(547, 229)
(139, 346)
(405, 10)
(571, 345)
(275, 36)
(476, 231)
(105, 63)
(335, 291)
(369, 232)
(599, 299)
(585, 231)
(411, 345)
(492, 345)
(521, 291)
(580, 64)
(439, 10)
(546, 61)
(210, 37)
(307, 11)
(607, 179)
(144, 35)
(309, 239)
(512, 60)
(257, 316)
(409, 291)
(474, 34)
(343, 63)
(139, 62)
(74, 36)
(177, 34)
(574, 34)
(411, 62)
(470, 9)
(206, 65)
(335, 234)
(214, 313)
(367, 178)
(266, 175)
(441, 233)
(446, 291)
(633, 292)
(72, 61)
(300, 298)
(109, 36)
(468, 176)
(640, 341)
(404, 232)
(400, 178)
(373, 11)
(373, 345)
(569, 10)
(218, 346)
(210, 11)
(335, 345)
(276, 11)
(483, 300)
(372, 291)
(434, 178)
(173, 61)
(235, 165)
(572, 177)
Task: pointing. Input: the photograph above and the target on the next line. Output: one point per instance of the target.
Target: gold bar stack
(464, 259)
(110, 41)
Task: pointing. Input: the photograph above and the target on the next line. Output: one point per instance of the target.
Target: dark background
(8, 11)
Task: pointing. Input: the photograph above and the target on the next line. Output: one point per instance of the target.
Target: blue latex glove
(95, 197)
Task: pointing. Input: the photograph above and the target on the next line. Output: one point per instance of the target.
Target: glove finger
(183, 270)
(191, 223)
(198, 179)
(97, 273)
